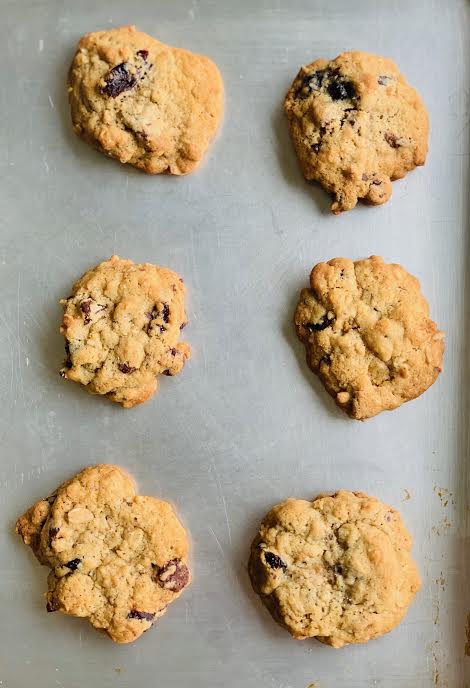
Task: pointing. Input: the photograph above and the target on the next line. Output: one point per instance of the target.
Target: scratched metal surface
(245, 425)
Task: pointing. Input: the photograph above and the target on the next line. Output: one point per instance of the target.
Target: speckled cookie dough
(337, 568)
(116, 558)
(143, 102)
(368, 335)
(122, 325)
(356, 125)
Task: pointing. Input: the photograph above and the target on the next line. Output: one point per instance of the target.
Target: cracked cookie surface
(368, 335)
(356, 125)
(122, 326)
(337, 568)
(143, 102)
(116, 558)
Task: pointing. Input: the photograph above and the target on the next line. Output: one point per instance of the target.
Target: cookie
(143, 102)
(121, 326)
(368, 334)
(337, 568)
(356, 125)
(116, 558)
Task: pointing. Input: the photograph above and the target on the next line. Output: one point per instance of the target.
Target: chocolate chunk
(143, 54)
(68, 360)
(167, 372)
(73, 564)
(310, 83)
(322, 324)
(341, 90)
(118, 80)
(143, 616)
(166, 313)
(52, 533)
(51, 606)
(124, 368)
(174, 576)
(274, 561)
(316, 147)
(392, 140)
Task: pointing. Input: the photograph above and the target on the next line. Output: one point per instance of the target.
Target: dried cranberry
(174, 576)
(73, 564)
(322, 324)
(124, 368)
(118, 80)
(341, 90)
(274, 561)
(143, 54)
(143, 616)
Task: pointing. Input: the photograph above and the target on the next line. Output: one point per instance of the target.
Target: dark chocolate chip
(376, 182)
(341, 90)
(68, 360)
(73, 564)
(338, 570)
(118, 80)
(174, 576)
(143, 616)
(51, 499)
(143, 54)
(85, 307)
(322, 324)
(167, 372)
(124, 368)
(166, 313)
(183, 325)
(274, 561)
(316, 147)
(392, 140)
(310, 83)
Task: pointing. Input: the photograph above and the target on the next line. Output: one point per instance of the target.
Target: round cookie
(143, 102)
(337, 568)
(122, 325)
(356, 125)
(116, 558)
(368, 335)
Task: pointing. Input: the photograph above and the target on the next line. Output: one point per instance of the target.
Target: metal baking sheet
(246, 424)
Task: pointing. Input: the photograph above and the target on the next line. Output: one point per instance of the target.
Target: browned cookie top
(144, 102)
(122, 326)
(368, 334)
(356, 125)
(337, 568)
(116, 558)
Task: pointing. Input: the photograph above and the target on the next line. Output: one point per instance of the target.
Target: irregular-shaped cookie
(116, 558)
(144, 102)
(356, 125)
(122, 326)
(337, 568)
(368, 334)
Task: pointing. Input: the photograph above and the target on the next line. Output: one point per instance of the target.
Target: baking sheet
(245, 425)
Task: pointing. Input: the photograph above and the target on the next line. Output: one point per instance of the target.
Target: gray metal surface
(245, 425)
